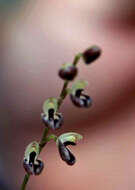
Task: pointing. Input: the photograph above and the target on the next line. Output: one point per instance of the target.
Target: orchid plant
(53, 119)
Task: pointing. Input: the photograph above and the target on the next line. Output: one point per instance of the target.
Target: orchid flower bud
(63, 141)
(91, 54)
(50, 117)
(31, 163)
(68, 71)
(77, 96)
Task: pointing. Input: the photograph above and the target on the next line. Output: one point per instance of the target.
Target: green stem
(77, 58)
(63, 94)
(44, 138)
(25, 181)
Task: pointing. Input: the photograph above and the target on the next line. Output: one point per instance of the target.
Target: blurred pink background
(36, 38)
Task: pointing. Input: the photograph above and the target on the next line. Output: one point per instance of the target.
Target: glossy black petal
(38, 168)
(80, 99)
(28, 167)
(66, 154)
(33, 167)
(54, 121)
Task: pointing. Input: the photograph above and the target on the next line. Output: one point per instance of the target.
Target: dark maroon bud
(68, 71)
(91, 54)
(80, 99)
(53, 120)
(65, 153)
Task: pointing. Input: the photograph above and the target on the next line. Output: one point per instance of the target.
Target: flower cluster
(53, 119)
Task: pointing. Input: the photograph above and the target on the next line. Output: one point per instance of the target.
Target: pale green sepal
(69, 137)
(50, 103)
(78, 85)
(32, 147)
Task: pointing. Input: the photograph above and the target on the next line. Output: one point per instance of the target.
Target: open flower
(63, 141)
(50, 117)
(68, 71)
(77, 96)
(31, 163)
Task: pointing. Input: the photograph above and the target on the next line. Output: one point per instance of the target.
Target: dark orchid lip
(28, 167)
(53, 121)
(38, 167)
(32, 157)
(65, 153)
(78, 92)
(51, 113)
(33, 167)
(80, 99)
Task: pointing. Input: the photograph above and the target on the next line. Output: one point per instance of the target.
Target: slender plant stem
(63, 94)
(44, 138)
(77, 58)
(25, 181)
(43, 142)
